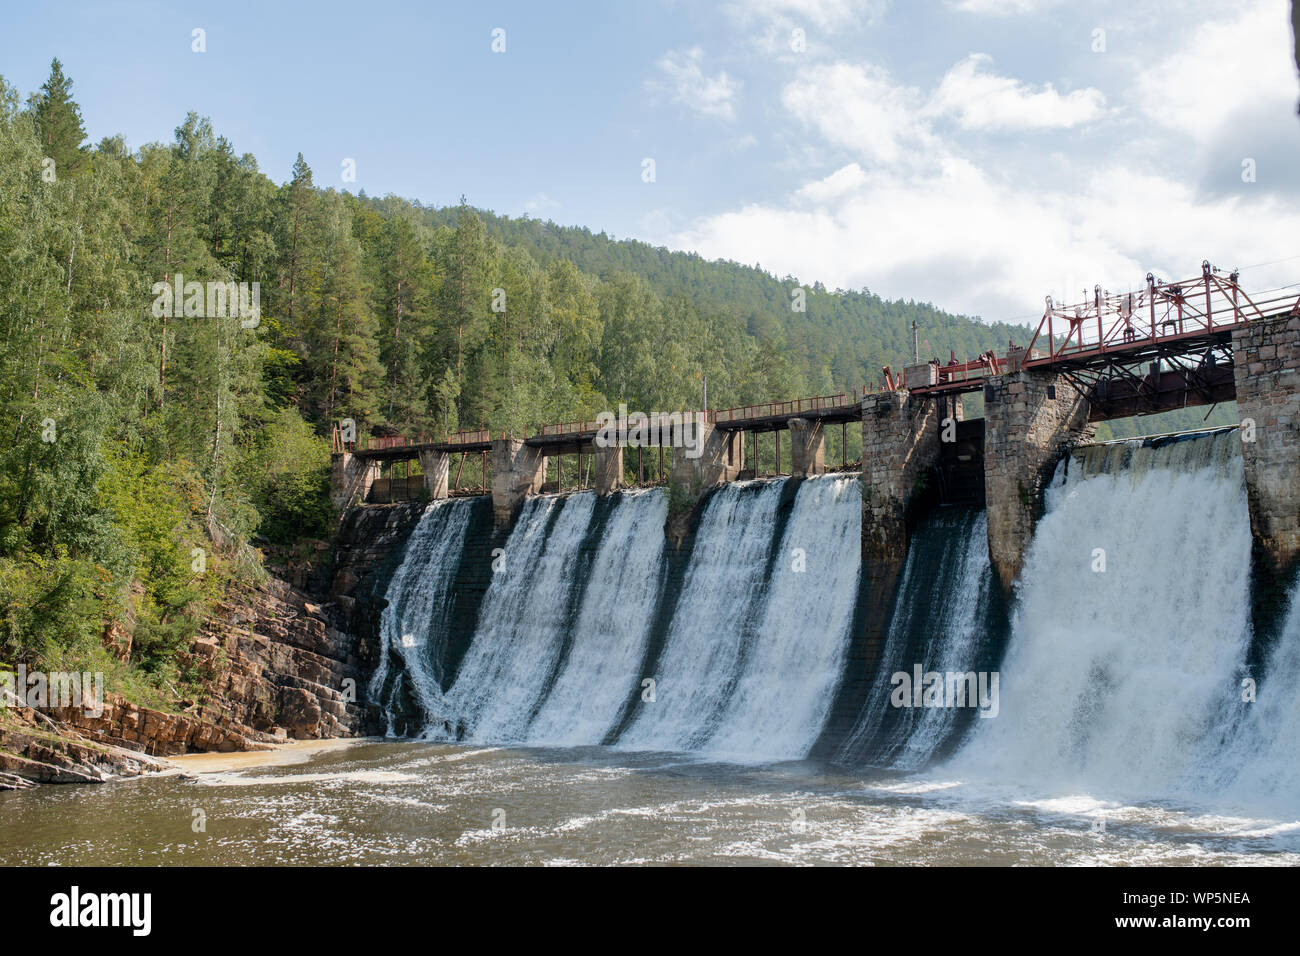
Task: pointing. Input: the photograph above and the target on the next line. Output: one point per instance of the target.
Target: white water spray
(613, 626)
(414, 624)
(1117, 680)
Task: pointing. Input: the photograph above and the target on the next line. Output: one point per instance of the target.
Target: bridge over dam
(1181, 344)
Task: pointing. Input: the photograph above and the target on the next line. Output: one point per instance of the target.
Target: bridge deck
(401, 448)
(1194, 318)
(1182, 331)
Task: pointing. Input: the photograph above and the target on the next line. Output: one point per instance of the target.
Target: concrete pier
(350, 478)
(518, 470)
(1031, 419)
(607, 469)
(435, 465)
(720, 460)
(807, 448)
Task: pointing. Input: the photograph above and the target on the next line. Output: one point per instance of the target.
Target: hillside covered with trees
(147, 446)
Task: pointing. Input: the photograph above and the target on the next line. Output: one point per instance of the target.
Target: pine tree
(299, 199)
(406, 283)
(467, 256)
(58, 122)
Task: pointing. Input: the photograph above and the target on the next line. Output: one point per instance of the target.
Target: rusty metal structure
(1167, 346)
(399, 447)
(1133, 353)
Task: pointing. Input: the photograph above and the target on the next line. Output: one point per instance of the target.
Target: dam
(772, 619)
(1196, 342)
(751, 647)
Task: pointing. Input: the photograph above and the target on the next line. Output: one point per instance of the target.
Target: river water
(427, 803)
(601, 704)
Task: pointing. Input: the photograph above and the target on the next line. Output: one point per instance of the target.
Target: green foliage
(58, 122)
(48, 603)
(143, 449)
(287, 472)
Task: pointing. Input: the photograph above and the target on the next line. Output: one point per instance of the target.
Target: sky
(977, 154)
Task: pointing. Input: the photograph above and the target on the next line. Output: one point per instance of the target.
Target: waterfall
(413, 627)
(784, 692)
(747, 663)
(613, 626)
(722, 592)
(757, 644)
(943, 624)
(1261, 760)
(1119, 669)
(523, 622)
(1132, 624)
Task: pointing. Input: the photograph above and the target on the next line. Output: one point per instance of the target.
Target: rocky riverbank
(285, 661)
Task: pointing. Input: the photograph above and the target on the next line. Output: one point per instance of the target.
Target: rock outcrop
(35, 749)
(279, 662)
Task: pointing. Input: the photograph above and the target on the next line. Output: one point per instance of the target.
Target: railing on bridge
(1192, 311)
(740, 413)
(800, 406)
(956, 373)
(568, 428)
(383, 442)
(1163, 311)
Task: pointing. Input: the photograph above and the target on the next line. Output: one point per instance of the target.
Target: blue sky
(976, 153)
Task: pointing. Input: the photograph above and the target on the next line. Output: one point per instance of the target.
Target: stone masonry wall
(900, 439)
(1266, 368)
(1031, 420)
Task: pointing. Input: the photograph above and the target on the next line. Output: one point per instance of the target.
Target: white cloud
(541, 203)
(685, 82)
(984, 100)
(1001, 8)
(973, 243)
(859, 108)
(835, 185)
(823, 14)
(771, 24)
(1225, 68)
(908, 212)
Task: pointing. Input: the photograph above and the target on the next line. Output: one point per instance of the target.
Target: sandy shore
(297, 751)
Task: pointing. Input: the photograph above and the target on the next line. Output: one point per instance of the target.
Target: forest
(151, 451)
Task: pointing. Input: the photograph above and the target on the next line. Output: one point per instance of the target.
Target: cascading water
(413, 627)
(1123, 666)
(781, 697)
(943, 623)
(612, 629)
(1132, 626)
(522, 624)
(1261, 759)
(745, 667)
(721, 595)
